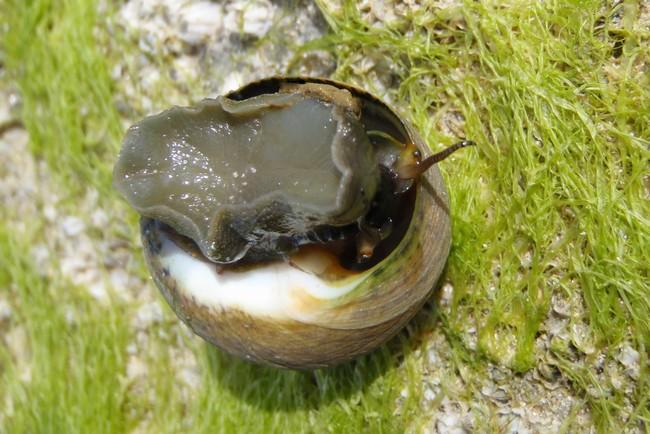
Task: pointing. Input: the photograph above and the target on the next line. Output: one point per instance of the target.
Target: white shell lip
(276, 290)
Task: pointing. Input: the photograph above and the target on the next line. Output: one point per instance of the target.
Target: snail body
(301, 278)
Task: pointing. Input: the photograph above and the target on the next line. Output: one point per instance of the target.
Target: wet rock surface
(205, 48)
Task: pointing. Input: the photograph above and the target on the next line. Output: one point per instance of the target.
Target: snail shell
(293, 313)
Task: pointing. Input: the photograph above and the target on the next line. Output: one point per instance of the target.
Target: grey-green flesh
(254, 174)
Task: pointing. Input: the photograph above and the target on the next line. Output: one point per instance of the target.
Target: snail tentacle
(413, 170)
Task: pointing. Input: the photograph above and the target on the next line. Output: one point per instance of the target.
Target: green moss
(54, 51)
(555, 200)
(70, 379)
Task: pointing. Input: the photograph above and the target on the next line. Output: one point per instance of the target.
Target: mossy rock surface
(545, 296)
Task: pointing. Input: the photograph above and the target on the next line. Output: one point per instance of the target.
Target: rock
(186, 68)
(50, 213)
(446, 295)
(252, 18)
(629, 358)
(582, 338)
(191, 376)
(232, 81)
(72, 226)
(147, 315)
(518, 426)
(98, 291)
(136, 368)
(119, 278)
(450, 424)
(200, 21)
(257, 18)
(99, 218)
(5, 311)
(149, 76)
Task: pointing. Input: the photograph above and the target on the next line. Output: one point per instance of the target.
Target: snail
(296, 222)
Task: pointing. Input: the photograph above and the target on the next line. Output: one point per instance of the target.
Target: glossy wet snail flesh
(292, 222)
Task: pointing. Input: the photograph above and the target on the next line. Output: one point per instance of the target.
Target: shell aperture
(249, 178)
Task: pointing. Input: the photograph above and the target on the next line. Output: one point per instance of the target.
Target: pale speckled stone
(119, 279)
(450, 418)
(191, 376)
(200, 21)
(630, 358)
(446, 295)
(257, 18)
(72, 226)
(50, 213)
(222, 46)
(518, 426)
(98, 291)
(582, 337)
(147, 315)
(233, 81)
(136, 368)
(99, 218)
(5, 311)
(186, 68)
